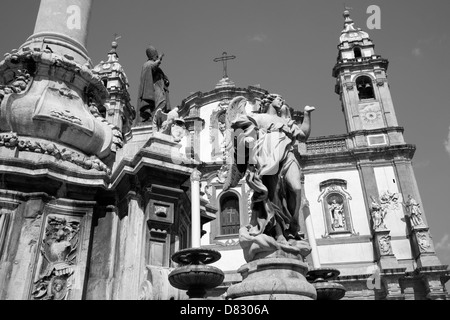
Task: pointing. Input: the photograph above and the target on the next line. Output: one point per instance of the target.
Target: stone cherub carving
(169, 123)
(388, 201)
(263, 146)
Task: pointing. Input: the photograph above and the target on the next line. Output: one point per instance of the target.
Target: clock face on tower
(371, 115)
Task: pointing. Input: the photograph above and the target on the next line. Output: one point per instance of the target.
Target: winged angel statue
(263, 146)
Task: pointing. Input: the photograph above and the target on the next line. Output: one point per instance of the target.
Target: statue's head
(273, 99)
(152, 53)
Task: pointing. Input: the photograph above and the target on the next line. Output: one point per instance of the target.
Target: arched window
(229, 214)
(365, 88)
(357, 52)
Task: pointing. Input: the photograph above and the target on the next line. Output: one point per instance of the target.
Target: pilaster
(385, 256)
(132, 248)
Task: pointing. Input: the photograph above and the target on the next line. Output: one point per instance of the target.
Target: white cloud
(421, 164)
(447, 143)
(444, 244)
(417, 52)
(424, 43)
(259, 38)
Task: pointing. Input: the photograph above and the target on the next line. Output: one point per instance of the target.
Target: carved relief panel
(384, 243)
(424, 242)
(59, 250)
(61, 264)
(336, 208)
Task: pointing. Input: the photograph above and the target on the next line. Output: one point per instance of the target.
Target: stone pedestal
(273, 279)
(387, 259)
(391, 284)
(423, 247)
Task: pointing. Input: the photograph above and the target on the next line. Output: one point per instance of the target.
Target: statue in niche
(337, 215)
(264, 147)
(378, 214)
(154, 87)
(415, 214)
(59, 249)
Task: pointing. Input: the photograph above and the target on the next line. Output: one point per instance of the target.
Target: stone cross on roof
(225, 57)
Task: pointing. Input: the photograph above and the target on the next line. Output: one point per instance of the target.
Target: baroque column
(63, 25)
(195, 208)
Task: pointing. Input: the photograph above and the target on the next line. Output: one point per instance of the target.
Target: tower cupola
(117, 110)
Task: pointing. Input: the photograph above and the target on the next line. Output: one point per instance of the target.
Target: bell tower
(364, 91)
(117, 110)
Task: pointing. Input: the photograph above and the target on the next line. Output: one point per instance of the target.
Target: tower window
(229, 214)
(357, 52)
(102, 111)
(365, 88)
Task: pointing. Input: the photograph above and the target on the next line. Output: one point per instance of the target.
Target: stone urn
(321, 279)
(194, 273)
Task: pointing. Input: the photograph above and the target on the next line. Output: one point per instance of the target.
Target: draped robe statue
(154, 87)
(263, 147)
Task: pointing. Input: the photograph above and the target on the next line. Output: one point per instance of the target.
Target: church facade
(94, 202)
(361, 196)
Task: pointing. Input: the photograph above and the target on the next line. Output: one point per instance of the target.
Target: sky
(287, 47)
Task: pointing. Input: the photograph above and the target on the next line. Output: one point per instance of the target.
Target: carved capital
(380, 82)
(349, 86)
(196, 176)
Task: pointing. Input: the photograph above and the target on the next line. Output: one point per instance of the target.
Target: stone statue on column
(264, 148)
(154, 87)
(415, 213)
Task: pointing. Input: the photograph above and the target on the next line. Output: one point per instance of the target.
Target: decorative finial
(115, 44)
(348, 19)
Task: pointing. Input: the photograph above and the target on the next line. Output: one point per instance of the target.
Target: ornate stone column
(381, 236)
(195, 208)
(63, 26)
(48, 91)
